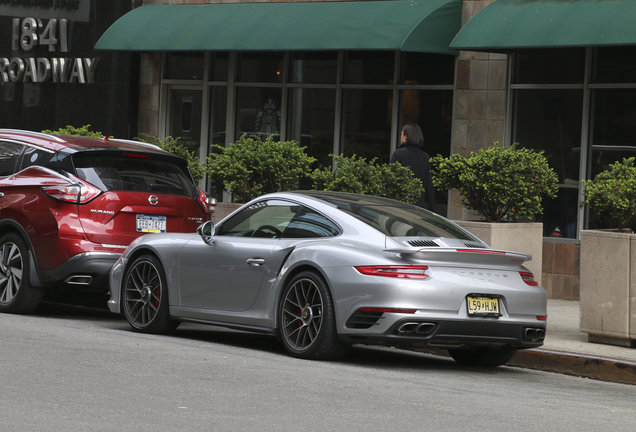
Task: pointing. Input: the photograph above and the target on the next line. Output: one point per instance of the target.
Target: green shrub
(369, 178)
(82, 131)
(172, 145)
(499, 183)
(614, 191)
(251, 167)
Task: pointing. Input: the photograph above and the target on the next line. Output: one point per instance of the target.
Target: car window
(309, 224)
(130, 172)
(262, 219)
(9, 154)
(35, 156)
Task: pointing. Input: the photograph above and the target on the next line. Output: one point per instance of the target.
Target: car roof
(57, 142)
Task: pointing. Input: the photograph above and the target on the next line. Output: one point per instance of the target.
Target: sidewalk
(566, 350)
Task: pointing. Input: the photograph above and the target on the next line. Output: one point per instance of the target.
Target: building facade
(343, 77)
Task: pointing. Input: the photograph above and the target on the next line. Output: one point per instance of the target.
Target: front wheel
(482, 356)
(16, 293)
(307, 319)
(145, 297)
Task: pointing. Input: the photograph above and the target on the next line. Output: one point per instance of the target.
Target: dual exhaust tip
(416, 328)
(534, 334)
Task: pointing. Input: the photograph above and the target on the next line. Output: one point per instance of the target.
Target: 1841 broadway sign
(31, 35)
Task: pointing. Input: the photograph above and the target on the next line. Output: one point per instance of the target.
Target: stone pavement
(567, 350)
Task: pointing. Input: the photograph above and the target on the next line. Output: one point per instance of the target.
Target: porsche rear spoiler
(473, 256)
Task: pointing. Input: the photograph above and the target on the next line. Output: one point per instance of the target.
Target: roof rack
(36, 134)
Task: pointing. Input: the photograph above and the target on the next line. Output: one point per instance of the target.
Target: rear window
(121, 172)
(394, 218)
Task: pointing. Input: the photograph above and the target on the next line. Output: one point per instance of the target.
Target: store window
(549, 66)
(318, 67)
(614, 65)
(260, 67)
(184, 65)
(369, 67)
(219, 66)
(550, 121)
(612, 137)
(367, 123)
(311, 122)
(258, 111)
(427, 69)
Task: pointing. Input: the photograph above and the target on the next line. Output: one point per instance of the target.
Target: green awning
(507, 24)
(420, 26)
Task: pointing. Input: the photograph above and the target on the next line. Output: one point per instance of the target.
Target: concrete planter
(223, 209)
(516, 237)
(608, 287)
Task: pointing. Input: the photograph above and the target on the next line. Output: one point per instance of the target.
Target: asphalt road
(76, 369)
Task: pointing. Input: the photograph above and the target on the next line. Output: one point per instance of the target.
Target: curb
(580, 365)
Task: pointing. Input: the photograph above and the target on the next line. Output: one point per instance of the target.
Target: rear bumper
(88, 271)
(455, 333)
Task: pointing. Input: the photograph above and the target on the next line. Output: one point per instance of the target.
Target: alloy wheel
(142, 293)
(11, 269)
(302, 314)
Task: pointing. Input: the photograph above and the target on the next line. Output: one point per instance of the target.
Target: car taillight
(80, 193)
(407, 272)
(528, 278)
(206, 201)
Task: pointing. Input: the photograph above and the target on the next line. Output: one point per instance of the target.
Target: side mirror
(206, 231)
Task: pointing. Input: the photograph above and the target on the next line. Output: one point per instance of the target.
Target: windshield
(394, 218)
(124, 172)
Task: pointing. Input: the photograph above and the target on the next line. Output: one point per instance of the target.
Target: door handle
(255, 261)
(1, 194)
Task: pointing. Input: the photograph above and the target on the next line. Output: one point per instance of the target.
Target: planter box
(516, 237)
(224, 209)
(608, 287)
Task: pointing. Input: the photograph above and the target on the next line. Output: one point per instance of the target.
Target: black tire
(307, 319)
(16, 293)
(482, 356)
(145, 297)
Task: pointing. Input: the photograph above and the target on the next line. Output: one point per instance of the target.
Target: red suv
(70, 205)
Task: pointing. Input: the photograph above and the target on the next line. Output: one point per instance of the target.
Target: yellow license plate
(482, 305)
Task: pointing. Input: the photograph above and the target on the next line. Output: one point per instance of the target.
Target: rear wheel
(307, 319)
(16, 293)
(145, 296)
(482, 356)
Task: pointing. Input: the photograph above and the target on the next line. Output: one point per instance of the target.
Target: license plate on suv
(479, 305)
(151, 223)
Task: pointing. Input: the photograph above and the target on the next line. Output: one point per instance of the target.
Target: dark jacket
(418, 160)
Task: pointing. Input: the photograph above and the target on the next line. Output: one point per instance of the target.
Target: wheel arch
(129, 262)
(9, 226)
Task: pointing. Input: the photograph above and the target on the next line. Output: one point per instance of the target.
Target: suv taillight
(80, 193)
(206, 201)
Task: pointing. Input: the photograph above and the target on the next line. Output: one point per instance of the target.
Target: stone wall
(561, 270)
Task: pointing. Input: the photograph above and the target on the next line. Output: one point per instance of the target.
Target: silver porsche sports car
(325, 270)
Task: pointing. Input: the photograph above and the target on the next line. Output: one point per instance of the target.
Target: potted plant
(251, 167)
(356, 175)
(501, 184)
(608, 278)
